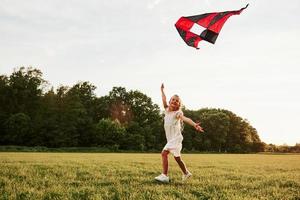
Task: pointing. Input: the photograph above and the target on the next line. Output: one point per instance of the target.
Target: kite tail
(243, 8)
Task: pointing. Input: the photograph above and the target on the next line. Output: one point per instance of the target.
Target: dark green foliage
(224, 132)
(122, 120)
(109, 133)
(22, 91)
(18, 128)
(134, 138)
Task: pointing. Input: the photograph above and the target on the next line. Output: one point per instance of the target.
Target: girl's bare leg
(165, 164)
(181, 164)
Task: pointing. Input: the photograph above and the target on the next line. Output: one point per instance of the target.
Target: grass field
(130, 176)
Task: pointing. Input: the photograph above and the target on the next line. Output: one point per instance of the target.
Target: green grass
(130, 176)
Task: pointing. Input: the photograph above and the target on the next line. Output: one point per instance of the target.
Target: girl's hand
(164, 98)
(198, 127)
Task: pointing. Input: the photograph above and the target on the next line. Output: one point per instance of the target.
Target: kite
(212, 22)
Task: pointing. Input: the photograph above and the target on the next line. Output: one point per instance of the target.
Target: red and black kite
(213, 22)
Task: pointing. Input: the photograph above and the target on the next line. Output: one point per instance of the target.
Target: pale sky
(252, 70)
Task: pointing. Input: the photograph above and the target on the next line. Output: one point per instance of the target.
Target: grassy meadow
(131, 176)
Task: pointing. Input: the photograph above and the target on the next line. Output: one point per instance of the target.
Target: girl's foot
(186, 176)
(162, 178)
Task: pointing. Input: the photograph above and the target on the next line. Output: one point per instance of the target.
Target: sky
(252, 70)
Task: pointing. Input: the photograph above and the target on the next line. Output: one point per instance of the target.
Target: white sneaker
(162, 178)
(186, 176)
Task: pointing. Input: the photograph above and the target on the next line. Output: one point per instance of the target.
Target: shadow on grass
(200, 195)
(153, 182)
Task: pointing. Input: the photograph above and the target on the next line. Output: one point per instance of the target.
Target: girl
(173, 126)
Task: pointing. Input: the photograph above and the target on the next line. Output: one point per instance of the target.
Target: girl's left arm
(163, 96)
(192, 123)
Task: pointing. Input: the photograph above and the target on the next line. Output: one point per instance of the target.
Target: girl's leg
(165, 164)
(181, 164)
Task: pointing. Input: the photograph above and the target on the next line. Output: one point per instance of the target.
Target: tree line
(32, 115)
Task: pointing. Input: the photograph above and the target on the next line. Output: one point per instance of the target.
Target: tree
(119, 107)
(85, 92)
(4, 100)
(144, 111)
(132, 106)
(63, 120)
(193, 140)
(25, 91)
(109, 134)
(141, 117)
(46, 126)
(19, 93)
(223, 131)
(18, 128)
(134, 137)
(216, 126)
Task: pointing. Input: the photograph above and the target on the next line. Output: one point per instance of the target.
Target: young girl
(173, 126)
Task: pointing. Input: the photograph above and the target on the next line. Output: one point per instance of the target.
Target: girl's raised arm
(163, 96)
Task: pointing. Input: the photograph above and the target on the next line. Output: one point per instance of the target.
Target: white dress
(174, 137)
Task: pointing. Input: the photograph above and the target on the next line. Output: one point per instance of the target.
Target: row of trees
(282, 148)
(31, 115)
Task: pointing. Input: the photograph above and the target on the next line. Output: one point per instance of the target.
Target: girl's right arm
(163, 96)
